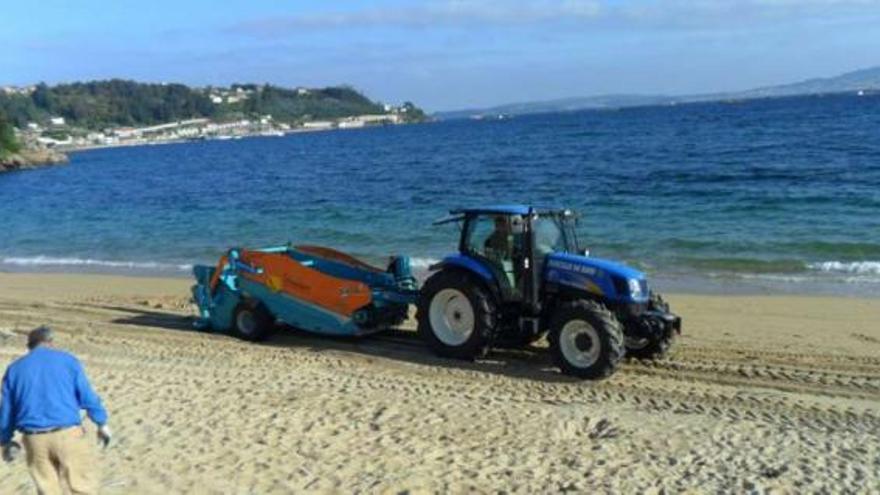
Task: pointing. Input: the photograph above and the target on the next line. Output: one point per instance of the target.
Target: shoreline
(29, 158)
(234, 137)
(691, 284)
(60, 155)
(120, 278)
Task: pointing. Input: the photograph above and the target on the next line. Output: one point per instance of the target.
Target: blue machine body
(604, 279)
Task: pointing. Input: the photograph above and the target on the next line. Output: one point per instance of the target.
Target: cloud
(659, 14)
(435, 13)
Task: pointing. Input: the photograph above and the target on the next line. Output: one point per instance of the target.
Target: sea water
(777, 195)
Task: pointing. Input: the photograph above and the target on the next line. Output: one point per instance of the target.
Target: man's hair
(40, 335)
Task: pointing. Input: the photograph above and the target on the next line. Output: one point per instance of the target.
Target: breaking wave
(422, 263)
(853, 267)
(47, 261)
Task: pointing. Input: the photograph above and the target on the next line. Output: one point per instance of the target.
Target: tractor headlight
(635, 288)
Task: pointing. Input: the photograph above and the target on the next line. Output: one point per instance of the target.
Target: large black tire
(251, 321)
(456, 315)
(647, 348)
(586, 340)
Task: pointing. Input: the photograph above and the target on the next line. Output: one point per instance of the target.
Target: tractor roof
(505, 210)
(459, 214)
(493, 209)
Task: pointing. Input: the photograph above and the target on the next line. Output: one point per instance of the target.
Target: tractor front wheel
(456, 315)
(251, 322)
(586, 340)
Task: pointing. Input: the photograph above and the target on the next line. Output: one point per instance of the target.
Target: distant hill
(865, 79)
(113, 103)
(860, 80)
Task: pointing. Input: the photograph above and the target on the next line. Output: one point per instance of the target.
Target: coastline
(59, 284)
(695, 283)
(278, 133)
(784, 385)
(30, 158)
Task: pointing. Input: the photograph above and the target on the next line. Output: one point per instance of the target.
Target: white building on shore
(318, 124)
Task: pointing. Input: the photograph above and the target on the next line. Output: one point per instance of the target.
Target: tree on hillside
(19, 109)
(412, 113)
(101, 104)
(42, 97)
(8, 143)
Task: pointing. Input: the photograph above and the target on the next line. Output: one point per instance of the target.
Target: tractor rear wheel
(586, 340)
(251, 321)
(456, 315)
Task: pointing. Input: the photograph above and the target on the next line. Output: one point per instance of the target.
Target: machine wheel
(647, 348)
(456, 315)
(251, 322)
(586, 340)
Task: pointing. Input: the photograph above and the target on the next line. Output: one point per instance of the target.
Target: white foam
(853, 267)
(774, 277)
(422, 263)
(52, 261)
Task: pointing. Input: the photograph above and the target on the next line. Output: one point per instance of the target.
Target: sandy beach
(762, 393)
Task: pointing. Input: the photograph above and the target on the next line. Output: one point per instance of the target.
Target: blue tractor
(519, 275)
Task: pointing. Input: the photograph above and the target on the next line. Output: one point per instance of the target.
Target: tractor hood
(612, 267)
(604, 278)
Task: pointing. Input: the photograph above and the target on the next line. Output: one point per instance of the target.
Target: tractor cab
(512, 244)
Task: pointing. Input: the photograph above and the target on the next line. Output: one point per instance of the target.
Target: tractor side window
(549, 236)
(498, 239)
(491, 237)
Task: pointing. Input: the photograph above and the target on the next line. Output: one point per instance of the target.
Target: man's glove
(104, 435)
(11, 451)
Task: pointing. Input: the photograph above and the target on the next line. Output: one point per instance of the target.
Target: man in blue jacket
(42, 395)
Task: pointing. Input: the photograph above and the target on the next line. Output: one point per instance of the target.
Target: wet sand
(761, 393)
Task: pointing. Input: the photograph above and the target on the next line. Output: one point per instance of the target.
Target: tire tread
(484, 308)
(611, 327)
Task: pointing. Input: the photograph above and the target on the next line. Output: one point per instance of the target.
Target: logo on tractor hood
(572, 267)
(588, 265)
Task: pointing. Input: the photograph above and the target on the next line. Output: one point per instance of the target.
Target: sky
(443, 54)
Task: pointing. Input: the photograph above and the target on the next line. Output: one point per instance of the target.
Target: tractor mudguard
(474, 267)
(467, 263)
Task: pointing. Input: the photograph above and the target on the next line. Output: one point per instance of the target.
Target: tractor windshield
(554, 233)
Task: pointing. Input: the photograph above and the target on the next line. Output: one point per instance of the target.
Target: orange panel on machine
(216, 277)
(282, 273)
(332, 254)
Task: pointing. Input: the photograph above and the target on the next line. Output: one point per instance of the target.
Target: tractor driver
(499, 244)
(502, 248)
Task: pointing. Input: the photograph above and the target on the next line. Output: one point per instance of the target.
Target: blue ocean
(766, 196)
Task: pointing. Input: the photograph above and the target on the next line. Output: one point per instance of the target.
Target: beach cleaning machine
(308, 287)
(518, 275)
